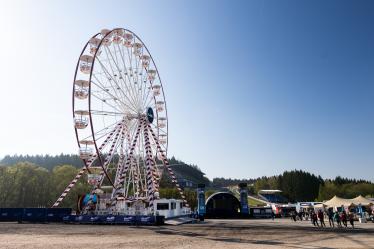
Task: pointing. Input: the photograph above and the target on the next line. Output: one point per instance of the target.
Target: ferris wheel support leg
(151, 183)
(166, 164)
(128, 161)
(82, 171)
(107, 160)
(121, 157)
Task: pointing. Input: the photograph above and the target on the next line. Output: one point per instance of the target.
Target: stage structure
(121, 127)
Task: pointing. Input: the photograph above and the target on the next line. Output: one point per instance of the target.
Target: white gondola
(85, 63)
(80, 123)
(151, 74)
(162, 139)
(160, 106)
(81, 119)
(85, 153)
(117, 36)
(104, 32)
(156, 90)
(81, 89)
(162, 122)
(137, 48)
(127, 39)
(145, 60)
(94, 43)
(81, 93)
(107, 40)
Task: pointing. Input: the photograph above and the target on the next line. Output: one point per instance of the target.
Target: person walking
(300, 214)
(321, 218)
(293, 215)
(337, 219)
(330, 214)
(344, 218)
(351, 219)
(315, 219)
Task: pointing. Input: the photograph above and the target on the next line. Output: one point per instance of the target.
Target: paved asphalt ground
(281, 233)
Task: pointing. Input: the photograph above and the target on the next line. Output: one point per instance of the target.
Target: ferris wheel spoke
(123, 81)
(129, 75)
(101, 131)
(132, 93)
(105, 102)
(146, 89)
(99, 85)
(102, 87)
(139, 84)
(112, 79)
(98, 112)
(149, 101)
(130, 58)
(111, 67)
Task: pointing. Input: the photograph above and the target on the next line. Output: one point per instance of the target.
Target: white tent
(360, 200)
(338, 202)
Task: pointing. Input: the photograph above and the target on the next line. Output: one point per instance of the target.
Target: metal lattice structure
(120, 121)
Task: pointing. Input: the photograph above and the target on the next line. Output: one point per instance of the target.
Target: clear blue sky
(253, 87)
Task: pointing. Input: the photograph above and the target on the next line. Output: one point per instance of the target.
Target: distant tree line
(25, 183)
(45, 161)
(298, 185)
(31, 181)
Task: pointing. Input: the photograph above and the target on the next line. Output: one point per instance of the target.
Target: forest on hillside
(32, 181)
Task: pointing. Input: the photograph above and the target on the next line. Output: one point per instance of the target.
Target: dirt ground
(212, 234)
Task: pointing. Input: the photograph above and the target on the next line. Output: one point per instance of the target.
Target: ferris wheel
(120, 119)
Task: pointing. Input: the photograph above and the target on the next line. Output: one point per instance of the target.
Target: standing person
(293, 214)
(344, 218)
(321, 218)
(351, 219)
(300, 215)
(337, 219)
(315, 219)
(330, 214)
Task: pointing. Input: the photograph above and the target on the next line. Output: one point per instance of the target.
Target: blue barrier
(10, 214)
(36, 215)
(56, 214)
(45, 215)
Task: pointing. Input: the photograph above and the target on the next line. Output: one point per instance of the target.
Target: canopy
(360, 200)
(338, 202)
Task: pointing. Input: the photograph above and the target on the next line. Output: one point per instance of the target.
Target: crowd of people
(317, 218)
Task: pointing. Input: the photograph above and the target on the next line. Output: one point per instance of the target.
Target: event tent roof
(338, 202)
(362, 200)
